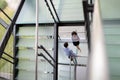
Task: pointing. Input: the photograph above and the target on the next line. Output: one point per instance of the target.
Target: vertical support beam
(16, 60)
(75, 70)
(87, 21)
(55, 77)
(36, 40)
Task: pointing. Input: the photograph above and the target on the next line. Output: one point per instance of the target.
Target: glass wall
(110, 10)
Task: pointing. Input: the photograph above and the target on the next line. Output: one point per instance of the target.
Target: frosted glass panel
(67, 10)
(64, 72)
(112, 28)
(114, 67)
(26, 55)
(110, 9)
(27, 42)
(26, 75)
(111, 19)
(30, 31)
(113, 39)
(113, 50)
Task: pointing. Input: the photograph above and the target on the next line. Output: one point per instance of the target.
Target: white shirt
(75, 38)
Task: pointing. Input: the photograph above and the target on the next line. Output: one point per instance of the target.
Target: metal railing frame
(10, 29)
(46, 59)
(42, 47)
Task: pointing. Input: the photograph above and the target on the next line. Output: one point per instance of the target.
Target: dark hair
(74, 33)
(66, 44)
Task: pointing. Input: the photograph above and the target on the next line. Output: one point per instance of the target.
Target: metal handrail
(6, 15)
(54, 10)
(7, 60)
(46, 59)
(50, 11)
(46, 52)
(8, 55)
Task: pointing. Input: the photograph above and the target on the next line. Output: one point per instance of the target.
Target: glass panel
(65, 36)
(113, 50)
(69, 10)
(66, 10)
(25, 44)
(30, 31)
(111, 10)
(111, 18)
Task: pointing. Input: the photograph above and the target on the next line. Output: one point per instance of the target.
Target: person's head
(73, 33)
(66, 44)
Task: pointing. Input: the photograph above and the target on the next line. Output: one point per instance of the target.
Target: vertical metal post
(56, 51)
(75, 69)
(87, 21)
(36, 40)
(70, 69)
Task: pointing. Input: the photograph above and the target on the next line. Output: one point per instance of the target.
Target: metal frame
(56, 51)
(56, 28)
(15, 70)
(10, 29)
(41, 46)
(6, 15)
(50, 11)
(87, 9)
(46, 59)
(67, 64)
(55, 10)
(3, 23)
(7, 55)
(7, 60)
(61, 24)
(87, 20)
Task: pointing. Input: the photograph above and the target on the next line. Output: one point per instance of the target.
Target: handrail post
(70, 68)
(56, 51)
(36, 40)
(87, 22)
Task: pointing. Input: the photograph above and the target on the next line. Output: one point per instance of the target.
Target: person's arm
(78, 37)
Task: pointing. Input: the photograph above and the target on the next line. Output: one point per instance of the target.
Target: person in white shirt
(69, 52)
(75, 40)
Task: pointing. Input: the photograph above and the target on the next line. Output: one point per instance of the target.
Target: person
(75, 40)
(69, 52)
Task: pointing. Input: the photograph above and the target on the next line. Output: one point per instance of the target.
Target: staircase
(25, 57)
(25, 66)
(71, 15)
